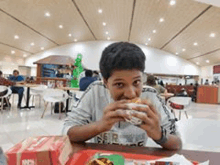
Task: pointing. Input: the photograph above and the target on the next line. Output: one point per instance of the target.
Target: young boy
(100, 113)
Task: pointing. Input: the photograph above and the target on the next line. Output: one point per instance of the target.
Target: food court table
(199, 156)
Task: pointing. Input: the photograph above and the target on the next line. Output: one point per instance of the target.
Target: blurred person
(87, 80)
(206, 82)
(182, 93)
(96, 75)
(151, 81)
(19, 90)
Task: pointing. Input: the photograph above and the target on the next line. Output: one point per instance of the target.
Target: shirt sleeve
(20, 78)
(162, 89)
(81, 114)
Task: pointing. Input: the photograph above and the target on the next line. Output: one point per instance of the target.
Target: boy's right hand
(113, 113)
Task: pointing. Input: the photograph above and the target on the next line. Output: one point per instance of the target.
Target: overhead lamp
(172, 2)
(12, 52)
(104, 24)
(212, 35)
(177, 53)
(61, 26)
(24, 55)
(70, 35)
(161, 20)
(149, 39)
(146, 43)
(42, 48)
(108, 38)
(47, 14)
(154, 31)
(106, 32)
(100, 11)
(197, 63)
(195, 43)
(75, 40)
(183, 50)
(32, 44)
(16, 37)
(207, 61)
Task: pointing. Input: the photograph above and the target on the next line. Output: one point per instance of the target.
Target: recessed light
(197, 63)
(16, 37)
(61, 26)
(32, 44)
(70, 35)
(106, 32)
(183, 50)
(154, 31)
(172, 2)
(177, 53)
(108, 38)
(212, 35)
(75, 40)
(149, 39)
(207, 61)
(195, 43)
(47, 14)
(161, 20)
(146, 43)
(104, 24)
(12, 52)
(42, 48)
(100, 10)
(24, 55)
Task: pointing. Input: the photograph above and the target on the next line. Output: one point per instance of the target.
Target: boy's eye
(137, 82)
(119, 85)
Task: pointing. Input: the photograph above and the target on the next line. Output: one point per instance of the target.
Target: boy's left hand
(150, 121)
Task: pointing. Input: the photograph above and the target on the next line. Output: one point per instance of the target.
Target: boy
(100, 113)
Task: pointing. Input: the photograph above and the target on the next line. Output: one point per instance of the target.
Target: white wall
(157, 61)
(207, 73)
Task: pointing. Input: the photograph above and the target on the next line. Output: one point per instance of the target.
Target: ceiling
(42, 24)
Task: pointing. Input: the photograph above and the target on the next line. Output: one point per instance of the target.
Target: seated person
(182, 93)
(100, 114)
(151, 82)
(19, 90)
(86, 81)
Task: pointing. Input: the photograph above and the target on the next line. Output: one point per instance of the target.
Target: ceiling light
(70, 35)
(197, 63)
(172, 2)
(42, 48)
(146, 43)
(104, 24)
(32, 44)
(24, 55)
(177, 53)
(161, 20)
(154, 31)
(207, 61)
(100, 10)
(12, 52)
(61, 26)
(106, 32)
(108, 38)
(149, 39)
(195, 44)
(75, 40)
(212, 35)
(47, 14)
(183, 50)
(16, 37)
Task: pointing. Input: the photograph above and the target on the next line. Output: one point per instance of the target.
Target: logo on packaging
(28, 162)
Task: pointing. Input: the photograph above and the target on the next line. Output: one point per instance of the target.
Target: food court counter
(208, 94)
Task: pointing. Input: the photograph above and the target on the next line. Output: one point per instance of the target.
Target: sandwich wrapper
(43, 150)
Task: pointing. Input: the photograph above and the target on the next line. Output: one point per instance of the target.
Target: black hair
(0, 72)
(15, 71)
(95, 72)
(121, 56)
(88, 73)
(151, 80)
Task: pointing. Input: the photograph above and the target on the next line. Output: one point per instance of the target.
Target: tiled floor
(16, 125)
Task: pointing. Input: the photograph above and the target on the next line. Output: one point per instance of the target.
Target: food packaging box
(43, 150)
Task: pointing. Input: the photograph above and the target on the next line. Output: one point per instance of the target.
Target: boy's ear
(105, 81)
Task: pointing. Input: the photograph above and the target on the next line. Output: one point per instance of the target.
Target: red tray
(80, 158)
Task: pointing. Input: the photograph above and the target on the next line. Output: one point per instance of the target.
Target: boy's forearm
(85, 132)
(173, 143)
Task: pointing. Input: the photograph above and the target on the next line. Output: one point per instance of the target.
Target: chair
(37, 91)
(181, 104)
(53, 96)
(5, 96)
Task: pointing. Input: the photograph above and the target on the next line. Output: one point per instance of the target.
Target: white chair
(5, 96)
(53, 96)
(37, 91)
(181, 104)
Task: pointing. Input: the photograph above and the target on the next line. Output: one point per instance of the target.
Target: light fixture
(24, 55)
(149, 39)
(197, 63)
(70, 35)
(106, 32)
(108, 38)
(183, 50)
(32, 44)
(42, 48)
(154, 31)
(146, 43)
(172, 2)
(100, 10)
(177, 53)
(195, 44)
(161, 20)
(104, 24)
(12, 52)
(61, 26)
(75, 40)
(212, 35)
(16, 37)
(47, 14)
(207, 61)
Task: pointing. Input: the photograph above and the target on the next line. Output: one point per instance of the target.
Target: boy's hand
(112, 114)
(150, 121)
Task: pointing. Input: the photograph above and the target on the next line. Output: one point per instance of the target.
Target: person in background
(180, 84)
(4, 81)
(19, 90)
(86, 81)
(152, 82)
(206, 82)
(182, 93)
(96, 75)
(161, 83)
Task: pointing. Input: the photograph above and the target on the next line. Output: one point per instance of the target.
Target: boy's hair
(0, 72)
(88, 73)
(151, 80)
(121, 56)
(15, 71)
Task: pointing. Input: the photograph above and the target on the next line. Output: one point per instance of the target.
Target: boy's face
(125, 84)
